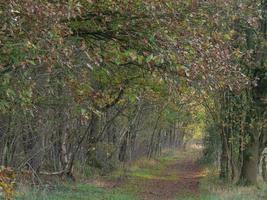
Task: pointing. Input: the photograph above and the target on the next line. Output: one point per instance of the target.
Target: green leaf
(149, 58)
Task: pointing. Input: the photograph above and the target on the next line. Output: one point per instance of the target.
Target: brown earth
(185, 181)
(178, 179)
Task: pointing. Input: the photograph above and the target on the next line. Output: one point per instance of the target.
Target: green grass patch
(73, 192)
(143, 174)
(145, 168)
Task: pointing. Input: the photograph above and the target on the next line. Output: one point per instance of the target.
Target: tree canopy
(107, 81)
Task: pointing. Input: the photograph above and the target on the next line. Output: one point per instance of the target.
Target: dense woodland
(97, 83)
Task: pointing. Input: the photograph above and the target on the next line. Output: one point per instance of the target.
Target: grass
(73, 192)
(214, 189)
(145, 168)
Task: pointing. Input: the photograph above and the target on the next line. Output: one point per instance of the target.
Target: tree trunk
(123, 147)
(249, 169)
(224, 168)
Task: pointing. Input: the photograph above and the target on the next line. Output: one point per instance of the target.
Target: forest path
(173, 176)
(177, 180)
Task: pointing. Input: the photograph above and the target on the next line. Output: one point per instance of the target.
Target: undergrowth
(212, 188)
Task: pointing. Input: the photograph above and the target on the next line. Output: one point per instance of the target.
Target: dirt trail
(179, 179)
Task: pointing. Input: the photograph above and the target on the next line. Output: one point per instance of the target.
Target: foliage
(92, 83)
(7, 183)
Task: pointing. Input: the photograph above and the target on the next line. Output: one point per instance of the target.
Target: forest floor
(178, 175)
(179, 178)
(175, 175)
